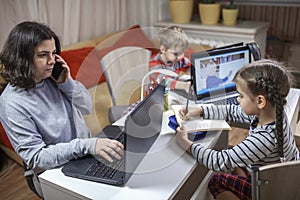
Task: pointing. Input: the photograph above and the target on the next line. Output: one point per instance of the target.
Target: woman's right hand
(192, 112)
(109, 149)
(66, 75)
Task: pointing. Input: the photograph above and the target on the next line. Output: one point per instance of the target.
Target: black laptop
(142, 128)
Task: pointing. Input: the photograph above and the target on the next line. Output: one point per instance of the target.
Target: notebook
(213, 71)
(141, 129)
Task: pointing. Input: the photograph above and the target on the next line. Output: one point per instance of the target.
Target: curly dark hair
(270, 79)
(16, 58)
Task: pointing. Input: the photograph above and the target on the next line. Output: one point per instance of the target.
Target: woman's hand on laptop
(109, 149)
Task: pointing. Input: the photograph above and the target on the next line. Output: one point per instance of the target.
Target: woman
(43, 117)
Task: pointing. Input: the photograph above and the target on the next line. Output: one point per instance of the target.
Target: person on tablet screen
(213, 78)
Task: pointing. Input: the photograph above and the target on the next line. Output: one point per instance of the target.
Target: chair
(124, 69)
(33, 181)
(276, 181)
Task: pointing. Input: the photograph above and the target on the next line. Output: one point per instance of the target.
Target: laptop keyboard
(225, 101)
(105, 169)
(100, 169)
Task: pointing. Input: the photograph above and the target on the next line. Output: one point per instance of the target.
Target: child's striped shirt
(260, 146)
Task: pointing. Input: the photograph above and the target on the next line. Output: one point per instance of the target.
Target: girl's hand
(66, 74)
(192, 112)
(181, 137)
(109, 149)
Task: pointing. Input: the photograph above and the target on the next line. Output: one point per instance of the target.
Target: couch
(83, 58)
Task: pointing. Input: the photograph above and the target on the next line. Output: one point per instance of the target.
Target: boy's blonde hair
(173, 37)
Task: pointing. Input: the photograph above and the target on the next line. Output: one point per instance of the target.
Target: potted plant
(181, 10)
(209, 12)
(230, 14)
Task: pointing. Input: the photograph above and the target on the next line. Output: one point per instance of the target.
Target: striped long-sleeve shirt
(260, 147)
(180, 67)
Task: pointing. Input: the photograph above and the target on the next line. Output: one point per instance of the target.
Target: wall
(283, 38)
(284, 20)
(77, 20)
(283, 42)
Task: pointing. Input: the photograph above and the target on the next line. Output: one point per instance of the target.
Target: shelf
(220, 35)
(242, 27)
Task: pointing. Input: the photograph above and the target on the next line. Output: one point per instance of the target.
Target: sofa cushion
(134, 36)
(4, 139)
(85, 64)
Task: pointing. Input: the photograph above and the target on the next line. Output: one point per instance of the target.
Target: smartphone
(57, 70)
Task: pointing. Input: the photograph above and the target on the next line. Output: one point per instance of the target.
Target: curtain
(77, 20)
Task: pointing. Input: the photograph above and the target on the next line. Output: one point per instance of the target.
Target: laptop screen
(142, 127)
(213, 71)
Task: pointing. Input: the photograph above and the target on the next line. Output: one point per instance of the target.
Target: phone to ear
(57, 70)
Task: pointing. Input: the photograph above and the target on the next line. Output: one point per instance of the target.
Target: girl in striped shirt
(262, 87)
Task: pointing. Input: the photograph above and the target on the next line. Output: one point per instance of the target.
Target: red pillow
(188, 53)
(4, 139)
(135, 36)
(85, 64)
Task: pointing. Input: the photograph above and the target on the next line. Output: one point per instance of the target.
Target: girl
(263, 87)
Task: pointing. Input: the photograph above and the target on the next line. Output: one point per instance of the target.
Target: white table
(166, 172)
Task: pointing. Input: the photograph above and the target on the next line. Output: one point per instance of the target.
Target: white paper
(198, 123)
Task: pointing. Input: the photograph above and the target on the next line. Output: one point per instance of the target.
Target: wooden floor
(13, 185)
